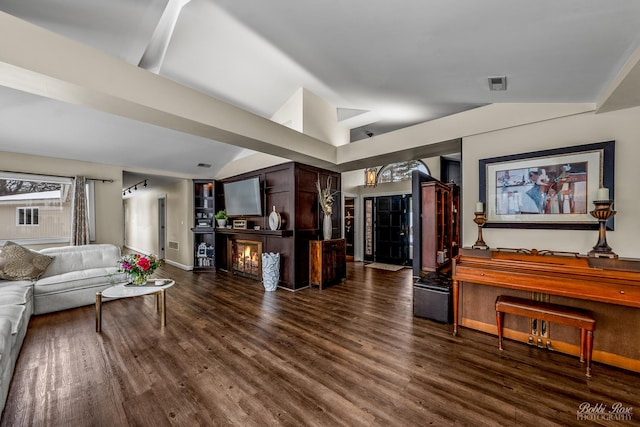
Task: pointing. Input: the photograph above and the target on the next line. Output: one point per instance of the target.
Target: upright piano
(615, 282)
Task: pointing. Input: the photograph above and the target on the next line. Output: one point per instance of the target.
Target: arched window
(401, 171)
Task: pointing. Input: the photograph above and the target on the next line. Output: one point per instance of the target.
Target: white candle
(603, 194)
(479, 207)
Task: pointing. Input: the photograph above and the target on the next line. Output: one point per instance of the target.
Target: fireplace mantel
(262, 232)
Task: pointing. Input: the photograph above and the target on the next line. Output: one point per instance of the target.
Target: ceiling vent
(498, 83)
(204, 165)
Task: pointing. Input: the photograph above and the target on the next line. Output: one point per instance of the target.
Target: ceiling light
(498, 83)
(134, 187)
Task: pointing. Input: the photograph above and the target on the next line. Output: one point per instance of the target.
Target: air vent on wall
(498, 83)
(174, 245)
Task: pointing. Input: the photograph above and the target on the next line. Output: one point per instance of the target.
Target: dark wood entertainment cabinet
(291, 188)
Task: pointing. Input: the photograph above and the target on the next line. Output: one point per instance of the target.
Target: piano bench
(561, 314)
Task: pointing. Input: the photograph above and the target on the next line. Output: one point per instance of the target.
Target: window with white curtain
(36, 209)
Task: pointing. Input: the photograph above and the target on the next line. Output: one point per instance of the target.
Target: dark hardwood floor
(349, 355)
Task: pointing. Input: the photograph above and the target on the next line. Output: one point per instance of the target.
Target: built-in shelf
(203, 229)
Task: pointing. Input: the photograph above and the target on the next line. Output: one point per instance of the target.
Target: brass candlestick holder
(480, 220)
(602, 212)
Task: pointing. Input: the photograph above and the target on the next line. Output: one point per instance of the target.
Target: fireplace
(245, 258)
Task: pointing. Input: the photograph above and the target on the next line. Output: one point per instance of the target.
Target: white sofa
(71, 280)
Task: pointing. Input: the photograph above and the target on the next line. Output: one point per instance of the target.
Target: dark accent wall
(291, 188)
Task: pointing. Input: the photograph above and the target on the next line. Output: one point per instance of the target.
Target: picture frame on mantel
(548, 189)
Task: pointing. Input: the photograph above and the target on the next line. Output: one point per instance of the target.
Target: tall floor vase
(327, 227)
(270, 270)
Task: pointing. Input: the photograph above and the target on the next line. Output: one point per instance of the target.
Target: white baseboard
(180, 266)
(168, 261)
(140, 251)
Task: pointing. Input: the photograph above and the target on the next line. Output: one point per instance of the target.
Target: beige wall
(621, 126)
(141, 213)
(179, 223)
(141, 222)
(109, 225)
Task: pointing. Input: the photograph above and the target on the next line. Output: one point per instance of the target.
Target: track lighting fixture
(134, 187)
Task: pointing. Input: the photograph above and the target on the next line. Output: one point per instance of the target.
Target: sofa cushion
(17, 293)
(78, 280)
(14, 314)
(20, 263)
(5, 343)
(83, 257)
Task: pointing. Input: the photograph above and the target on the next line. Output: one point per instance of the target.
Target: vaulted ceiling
(382, 66)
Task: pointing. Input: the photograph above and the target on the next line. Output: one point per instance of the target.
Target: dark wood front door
(389, 244)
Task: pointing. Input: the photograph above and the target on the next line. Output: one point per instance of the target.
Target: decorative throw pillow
(20, 263)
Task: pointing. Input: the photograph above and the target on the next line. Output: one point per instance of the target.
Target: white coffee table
(155, 287)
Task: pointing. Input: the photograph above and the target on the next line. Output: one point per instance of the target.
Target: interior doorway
(162, 226)
(388, 229)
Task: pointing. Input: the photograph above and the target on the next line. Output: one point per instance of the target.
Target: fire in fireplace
(245, 258)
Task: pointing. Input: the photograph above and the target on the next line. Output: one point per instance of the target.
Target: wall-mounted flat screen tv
(242, 198)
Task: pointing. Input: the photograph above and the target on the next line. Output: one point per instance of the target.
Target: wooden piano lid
(568, 259)
(544, 256)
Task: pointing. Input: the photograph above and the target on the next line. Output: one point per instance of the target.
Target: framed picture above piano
(549, 189)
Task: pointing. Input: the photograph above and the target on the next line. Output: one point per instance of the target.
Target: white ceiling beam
(47, 64)
(157, 48)
(624, 90)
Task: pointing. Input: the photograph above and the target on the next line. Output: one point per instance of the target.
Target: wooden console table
(327, 261)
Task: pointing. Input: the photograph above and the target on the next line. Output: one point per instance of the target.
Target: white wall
(320, 121)
(307, 113)
(621, 126)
